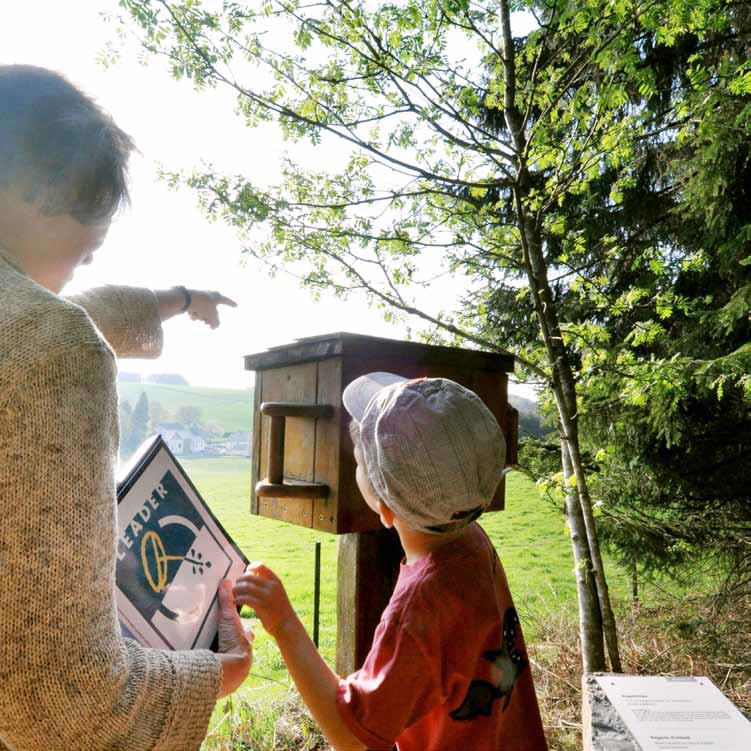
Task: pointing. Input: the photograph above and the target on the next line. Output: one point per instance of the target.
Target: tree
(125, 417)
(188, 415)
(139, 423)
(530, 422)
(157, 414)
(472, 153)
(466, 158)
(214, 430)
(667, 402)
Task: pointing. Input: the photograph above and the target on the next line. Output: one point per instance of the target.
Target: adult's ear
(386, 514)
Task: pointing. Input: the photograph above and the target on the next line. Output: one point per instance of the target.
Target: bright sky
(164, 239)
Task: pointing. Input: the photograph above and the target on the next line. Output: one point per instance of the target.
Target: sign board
(677, 713)
(171, 554)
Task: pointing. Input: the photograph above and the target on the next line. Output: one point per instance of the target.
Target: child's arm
(262, 590)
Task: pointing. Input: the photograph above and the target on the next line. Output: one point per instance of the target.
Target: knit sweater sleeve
(127, 317)
(68, 678)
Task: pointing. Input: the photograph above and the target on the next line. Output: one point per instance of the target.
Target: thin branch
(282, 110)
(411, 310)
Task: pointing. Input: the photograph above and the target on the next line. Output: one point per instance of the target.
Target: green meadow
(529, 535)
(230, 408)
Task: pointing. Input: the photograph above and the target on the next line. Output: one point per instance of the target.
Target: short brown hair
(59, 147)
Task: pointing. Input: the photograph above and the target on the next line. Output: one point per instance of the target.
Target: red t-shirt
(448, 669)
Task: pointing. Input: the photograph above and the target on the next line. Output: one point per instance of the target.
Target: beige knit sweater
(68, 681)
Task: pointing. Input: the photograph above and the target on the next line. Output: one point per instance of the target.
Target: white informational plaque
(171, 554)
(677, 714)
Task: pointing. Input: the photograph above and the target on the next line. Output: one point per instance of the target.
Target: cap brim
(359, 393)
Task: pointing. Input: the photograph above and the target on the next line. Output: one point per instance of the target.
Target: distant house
(173, 440)
(192, 443)
(238, 443)
(182, 442)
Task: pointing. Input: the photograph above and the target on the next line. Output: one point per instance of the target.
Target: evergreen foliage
(660, 312)
(125, 417)
(189, 416)
(139, 425)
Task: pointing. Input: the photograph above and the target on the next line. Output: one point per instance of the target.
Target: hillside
(530, 423)
(230, 408)
(522, 405)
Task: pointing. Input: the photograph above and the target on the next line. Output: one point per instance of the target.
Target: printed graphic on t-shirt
(511, 663)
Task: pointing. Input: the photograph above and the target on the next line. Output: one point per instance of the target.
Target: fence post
(317, 594)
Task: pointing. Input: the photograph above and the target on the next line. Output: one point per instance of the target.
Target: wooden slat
(298, 384)
(296, 409)
(291, 490)
(292, 510)
(365, 347)
(276, 450)
(294, 384)
(255, 475)
(328, 430)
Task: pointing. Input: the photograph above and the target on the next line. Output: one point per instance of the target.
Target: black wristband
(186, 295)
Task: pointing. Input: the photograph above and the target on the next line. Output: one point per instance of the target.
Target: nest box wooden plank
(303, 462)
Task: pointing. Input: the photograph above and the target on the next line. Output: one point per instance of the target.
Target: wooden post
(317, 592)
(367, 571)
(586, 713)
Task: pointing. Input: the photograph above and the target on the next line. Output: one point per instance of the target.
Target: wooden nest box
(303, 462)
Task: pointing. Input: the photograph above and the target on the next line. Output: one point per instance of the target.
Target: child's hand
(260, 588)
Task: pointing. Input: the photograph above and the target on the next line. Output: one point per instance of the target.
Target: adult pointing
(69, 680)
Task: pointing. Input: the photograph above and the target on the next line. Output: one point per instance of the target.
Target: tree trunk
(565, 396)
(563, 384)
(564, 389)
(608, 618)
(590, 618)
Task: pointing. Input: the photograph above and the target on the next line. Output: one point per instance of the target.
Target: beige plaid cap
(434, 453)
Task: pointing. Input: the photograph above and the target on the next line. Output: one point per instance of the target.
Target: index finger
(222, 300)
(258, 568)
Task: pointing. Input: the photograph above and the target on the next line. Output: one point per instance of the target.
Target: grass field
(533, 543)
(230, 408)
(530, 537)
(225, 485)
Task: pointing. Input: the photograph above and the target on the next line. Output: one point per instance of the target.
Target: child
(447, 670)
